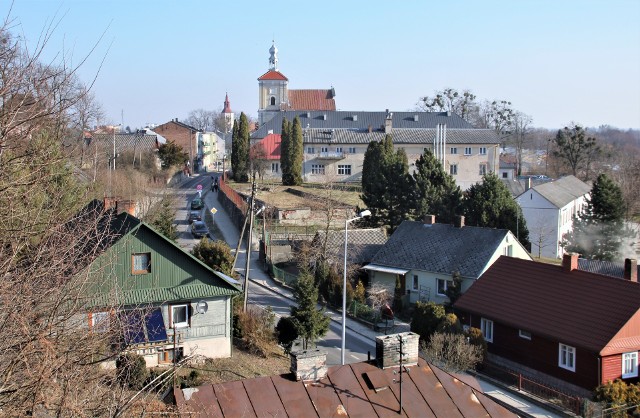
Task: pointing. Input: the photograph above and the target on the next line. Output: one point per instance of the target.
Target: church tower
(272, 89)
(228, 115)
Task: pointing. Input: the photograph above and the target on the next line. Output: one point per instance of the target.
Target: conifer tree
(400, 190)
(234, 148)
(436, 190)
(310, 322)
(375, 178)
(296, 152)
(242, 173)
(599, 232)
(285, 155)
(490, 204)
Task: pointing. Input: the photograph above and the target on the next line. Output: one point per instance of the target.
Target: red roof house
(570, 328)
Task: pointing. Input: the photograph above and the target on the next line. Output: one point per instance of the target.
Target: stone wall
(309, 364)
(388, 349)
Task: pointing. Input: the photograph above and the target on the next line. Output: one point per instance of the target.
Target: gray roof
(399, 136)
(363, 120)
(362, 244)
(562, 191)
(607, 268)
(440, 248)
(124, 142)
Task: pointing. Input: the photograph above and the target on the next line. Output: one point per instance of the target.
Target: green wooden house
(169, 300)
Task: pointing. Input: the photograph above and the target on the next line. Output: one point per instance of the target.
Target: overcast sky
(557, 61)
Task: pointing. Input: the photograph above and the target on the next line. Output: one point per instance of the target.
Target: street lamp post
(362, 214)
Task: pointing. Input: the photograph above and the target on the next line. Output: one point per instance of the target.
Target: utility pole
(114, 148)
(246, 270)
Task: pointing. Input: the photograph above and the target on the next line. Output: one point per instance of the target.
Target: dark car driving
(197, 204)
(199, 229)
(195, 215)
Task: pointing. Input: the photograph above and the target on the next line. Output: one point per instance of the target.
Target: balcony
(330, 155)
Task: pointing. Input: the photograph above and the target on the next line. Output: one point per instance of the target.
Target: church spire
(227, 104)
(273, 58)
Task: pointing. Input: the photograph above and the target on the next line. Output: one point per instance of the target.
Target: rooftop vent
(308, 114)
(355, 118)
(415, 118)
(324, 116)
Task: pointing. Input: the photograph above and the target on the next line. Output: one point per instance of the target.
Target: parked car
(199, 229)
(195, 215)
(197, 204)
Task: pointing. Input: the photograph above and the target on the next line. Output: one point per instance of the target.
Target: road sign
(199, 187)
(214, 210)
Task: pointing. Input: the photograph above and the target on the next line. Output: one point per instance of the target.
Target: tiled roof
(427, 391)
(311, 100)
(578, 308)
(608, 268)
(124, 142)
(440, 248)
(362, 244)
(271, 146)
(562, 191)
(273, 75)
(400, 136)
(361, 120)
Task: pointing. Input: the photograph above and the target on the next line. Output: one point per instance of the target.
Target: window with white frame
(508, 250)
(524, 334)
(275, 167)
(453, 169)
(179, 316)
(415, 282)
(338, 149)
(352, 150)
(453, 150)
(311, 150)
(317, 168)
(443, 285)
(324, 149)
(468, 150)
(141, 263)
(482, 150)
(567, 357)
(344, 169)
(630, 364)
(483, 169)
(486, 326)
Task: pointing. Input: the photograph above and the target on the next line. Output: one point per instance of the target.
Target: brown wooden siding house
(568, 328)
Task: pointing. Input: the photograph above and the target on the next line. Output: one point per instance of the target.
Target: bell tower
(272, 89)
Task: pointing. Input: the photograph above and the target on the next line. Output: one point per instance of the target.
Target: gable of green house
(144, 267)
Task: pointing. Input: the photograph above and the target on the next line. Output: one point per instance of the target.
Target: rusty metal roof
(346, 391)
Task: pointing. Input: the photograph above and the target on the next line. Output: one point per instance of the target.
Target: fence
(516, 379)
(280, 275)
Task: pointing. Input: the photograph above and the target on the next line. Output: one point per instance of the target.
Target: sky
(560, 62)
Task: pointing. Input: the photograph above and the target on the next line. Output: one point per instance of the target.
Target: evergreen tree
(311, 323)
(171, 155)
(285, 153)
(436, 190)
(490, 204)
(296, 152)
(377, 181)
(234, 148)
(599, 232)
(162, 218)
(241, 173)
(400, 190)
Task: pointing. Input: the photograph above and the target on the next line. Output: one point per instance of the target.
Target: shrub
(257, 332)
(452, 352)
(618, 394)
(476, 338)
(131, 370)
(359, 292)
(449, 325)
(287, 333)
(426, 318)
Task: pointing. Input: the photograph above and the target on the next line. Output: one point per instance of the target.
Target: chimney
(570, 262)
(128, 206)
(631, 269)
(370, 129)
(388, 349)
(110, 202)
(459, 221)
(309, 364)
(429, 219)
(388, 122)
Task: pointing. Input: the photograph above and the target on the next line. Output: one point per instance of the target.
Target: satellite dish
(201, 307)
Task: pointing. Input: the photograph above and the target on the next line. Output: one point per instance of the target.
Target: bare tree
(452, 352)
(521, 126)
(201, 119)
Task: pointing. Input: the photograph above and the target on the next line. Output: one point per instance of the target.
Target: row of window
(453, 169)
(567, 353)
(343, 169)
(468, 150)
(312, 150)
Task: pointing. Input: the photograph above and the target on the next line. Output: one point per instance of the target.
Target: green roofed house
(163, 299)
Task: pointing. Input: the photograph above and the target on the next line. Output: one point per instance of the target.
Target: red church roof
(271, 146)
(311, 100)
(227, 104)
(273, 75)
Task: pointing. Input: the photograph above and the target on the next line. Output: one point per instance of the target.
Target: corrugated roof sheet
(563, 191)
(440, 248)
(124, 142)
(271, 146)
(426, 392)
(361, 120)
(578, 308)
(311, 100)
(608, 268)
